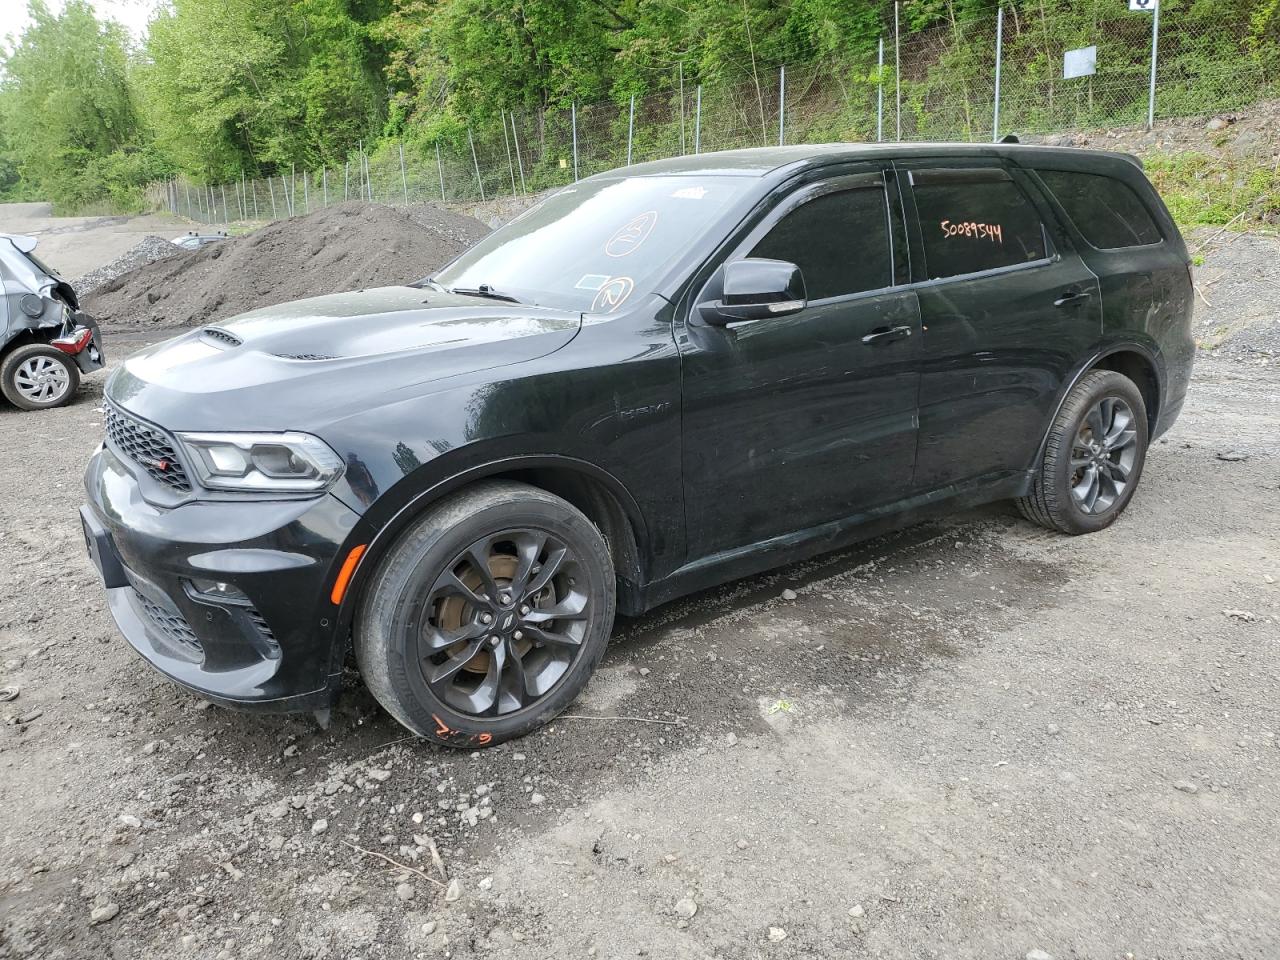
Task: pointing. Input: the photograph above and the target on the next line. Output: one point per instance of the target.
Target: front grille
(260, 624)
(147, 447)
(171, 625)
(225, 336)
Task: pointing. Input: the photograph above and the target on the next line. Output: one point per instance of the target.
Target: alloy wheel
(41, 379)
(503, 623)
(1103, 455)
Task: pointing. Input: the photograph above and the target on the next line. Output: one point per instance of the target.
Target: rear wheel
(1093, 458)
(488, 617)
(38, 377)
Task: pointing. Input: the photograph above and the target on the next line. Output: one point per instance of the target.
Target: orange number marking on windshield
(980, 231)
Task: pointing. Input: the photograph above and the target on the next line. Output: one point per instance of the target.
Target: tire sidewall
(1111, 385)
(9, 370)
(410, 569)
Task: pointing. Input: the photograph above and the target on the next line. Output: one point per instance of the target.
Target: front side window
(598, 244)
(840, 242)
(975, 220)
(1107, 212)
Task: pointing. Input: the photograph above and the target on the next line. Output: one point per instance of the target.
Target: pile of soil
(345, 247)
(148, 250)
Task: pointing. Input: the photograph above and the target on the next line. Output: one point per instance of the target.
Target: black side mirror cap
(754, 289)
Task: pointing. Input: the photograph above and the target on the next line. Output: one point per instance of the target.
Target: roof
(759, 161)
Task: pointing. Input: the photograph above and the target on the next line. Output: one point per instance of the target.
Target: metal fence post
(1155, 46)
(631, 127)
(880, 95)
(682, 108)
(995, 116)
(697, 123)
(506, 139)
(475, 162)
(573, 120)
(515, 136)
(272, 189)
(213, 205)
(226, 211)
(324, 184)
(187, 188)
(306, 193)
(440, 170)
(897, 71)
(293, 188)
(346, 179)
(782, 104)
(404, 180)
(288, 196)
(255, 201)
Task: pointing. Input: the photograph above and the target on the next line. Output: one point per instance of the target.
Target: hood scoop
(306, 356)
(222, 336)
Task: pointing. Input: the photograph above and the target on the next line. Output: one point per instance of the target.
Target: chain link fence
(939, 83)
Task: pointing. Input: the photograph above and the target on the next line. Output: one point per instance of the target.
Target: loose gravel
(148, 250)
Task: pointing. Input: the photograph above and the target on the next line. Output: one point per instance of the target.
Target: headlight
(262, 461)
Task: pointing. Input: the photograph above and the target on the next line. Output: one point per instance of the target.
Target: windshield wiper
(484, 290)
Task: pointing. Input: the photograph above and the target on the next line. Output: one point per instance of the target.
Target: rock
(857, 911)
(104, 913)
(518, 757)
(486, 883)
(1186, 786)
(404, 892)
(129, 820)
(788, 594)
(1038, 954)
(686, 908)
(1244, 616)
(1231, 456)
(644, 671)
(777, 934)
(428, 928)
(319, 827)
(291, 750)
(731, 740)
(453, 891)
(742, 844)
(1214, 125)
(537, 799)
(378, 774)
(151, 748)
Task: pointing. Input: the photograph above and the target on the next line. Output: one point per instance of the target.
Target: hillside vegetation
(225, 88)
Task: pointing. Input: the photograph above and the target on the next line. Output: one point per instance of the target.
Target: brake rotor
(454, 612)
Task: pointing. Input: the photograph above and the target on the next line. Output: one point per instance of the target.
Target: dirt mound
(148, 250)
(1237, 283)
(345, 247)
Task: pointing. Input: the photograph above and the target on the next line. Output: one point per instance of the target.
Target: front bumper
(275, 649)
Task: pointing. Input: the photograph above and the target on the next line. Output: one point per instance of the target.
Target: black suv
(656, 380)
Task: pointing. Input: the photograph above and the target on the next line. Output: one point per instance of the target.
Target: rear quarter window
(971, 221)
(1106, 211)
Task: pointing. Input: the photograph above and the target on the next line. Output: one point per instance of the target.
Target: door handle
(1072, 297)
(887, 334)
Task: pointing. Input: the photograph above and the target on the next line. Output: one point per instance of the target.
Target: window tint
(971, 224)
(840, 242)
(1107, 212)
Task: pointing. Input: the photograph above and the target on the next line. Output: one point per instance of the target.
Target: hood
(303, 363)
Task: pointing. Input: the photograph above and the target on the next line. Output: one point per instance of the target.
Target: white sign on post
(1144, 5)
(1080, 63)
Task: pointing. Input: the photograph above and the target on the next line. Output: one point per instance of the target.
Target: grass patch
(1206, 190)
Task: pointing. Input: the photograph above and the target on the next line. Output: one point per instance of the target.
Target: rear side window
(840, 242)
(974, 220)
(1106, 212)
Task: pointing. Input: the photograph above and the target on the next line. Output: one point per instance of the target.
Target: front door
(1008, 309)
(796, 421)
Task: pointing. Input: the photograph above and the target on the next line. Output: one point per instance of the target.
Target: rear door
(794, 421)
(1007, 309)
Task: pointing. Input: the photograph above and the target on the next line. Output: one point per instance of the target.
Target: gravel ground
(971, 739)
(1238, 286)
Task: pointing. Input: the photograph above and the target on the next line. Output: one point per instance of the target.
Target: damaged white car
(46, 343)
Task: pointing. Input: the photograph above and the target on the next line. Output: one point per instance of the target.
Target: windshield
(595, 245)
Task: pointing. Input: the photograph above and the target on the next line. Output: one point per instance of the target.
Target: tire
(22, 369)
(421, 617)
(1061, 490)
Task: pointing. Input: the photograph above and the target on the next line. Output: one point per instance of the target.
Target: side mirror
(755, 289)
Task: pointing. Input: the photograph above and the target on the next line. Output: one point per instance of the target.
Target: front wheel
(489, 615)
(1093, 457)
(38, 377)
